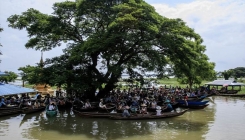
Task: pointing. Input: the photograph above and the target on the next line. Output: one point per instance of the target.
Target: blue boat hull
(193, 103)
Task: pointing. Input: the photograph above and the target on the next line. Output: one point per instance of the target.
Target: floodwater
(223, 119)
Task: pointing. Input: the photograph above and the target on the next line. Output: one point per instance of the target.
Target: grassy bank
(173, 83)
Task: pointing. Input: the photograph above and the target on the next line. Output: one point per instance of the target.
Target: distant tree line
(238, 72)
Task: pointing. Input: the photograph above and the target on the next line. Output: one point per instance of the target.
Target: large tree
(193, 66)
(105, 39)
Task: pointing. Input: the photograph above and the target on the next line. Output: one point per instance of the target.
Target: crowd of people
(133, 100)
(140, 100)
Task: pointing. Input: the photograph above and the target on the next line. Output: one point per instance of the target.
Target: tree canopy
(107, 38)
(9, 77)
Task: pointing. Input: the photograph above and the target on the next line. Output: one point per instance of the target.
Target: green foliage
(239, 72)
(31, 74)
(10, 77)
(107, 38)
(227, 74)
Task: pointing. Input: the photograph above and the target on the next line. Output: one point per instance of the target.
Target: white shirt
(51, 107)
(158, 112)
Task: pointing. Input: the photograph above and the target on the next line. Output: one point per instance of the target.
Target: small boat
(194, 106)
(51, 113)
(148, 116)
(28, 111)
(193, 103)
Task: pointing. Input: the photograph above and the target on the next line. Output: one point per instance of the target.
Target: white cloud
(221, 23)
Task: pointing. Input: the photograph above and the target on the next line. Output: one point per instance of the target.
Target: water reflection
(193, 125)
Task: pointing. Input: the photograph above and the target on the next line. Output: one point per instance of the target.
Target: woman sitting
(126, 112)
(51, 107)
(36, 104)
(158, 110)
(101, 105)
(87, 104)
(29, 104)
(143, 109)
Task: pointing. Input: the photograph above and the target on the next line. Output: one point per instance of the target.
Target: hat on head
(158, 108)
(126, 107)
(143, 104)
(167, 101)
(52, 103)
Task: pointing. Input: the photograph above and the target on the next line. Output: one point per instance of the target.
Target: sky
(221, 24)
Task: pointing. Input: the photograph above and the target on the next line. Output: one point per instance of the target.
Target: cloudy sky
(221, 23)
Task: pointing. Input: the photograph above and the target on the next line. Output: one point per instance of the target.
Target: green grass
(173, 83)
(169, 82)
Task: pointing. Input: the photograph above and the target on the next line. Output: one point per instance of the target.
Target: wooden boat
(95, 114)
(28, 111)
(194, 106)
(148, 116)
(193, 103)
(92, 109)
(9, 110)
(51, 113)
(107, 110)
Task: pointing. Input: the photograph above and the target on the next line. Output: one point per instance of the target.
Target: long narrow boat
(9, 112)
(193, 103)
(4, 111)
(95, 114)
(106, 110)
(148, 116)
(194, 106)
(195, 99)
(92, 109)
(28, 111)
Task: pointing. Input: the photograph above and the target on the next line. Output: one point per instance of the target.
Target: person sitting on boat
(158, 110)
(36, 104)
(51, 107)
(2, 103)
(186, 99)
(101, 105)
(29, 104)
(143, 109)
(134, 105)
(153, 103)
(168, 107)
(126, 112)
(87, 104)
(193, 94)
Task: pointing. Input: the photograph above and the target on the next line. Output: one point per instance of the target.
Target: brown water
(223, 119)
